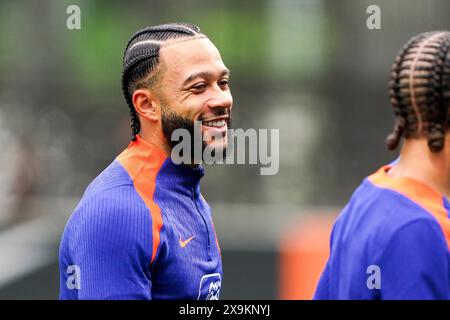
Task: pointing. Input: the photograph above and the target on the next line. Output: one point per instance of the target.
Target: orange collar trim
(426, 197)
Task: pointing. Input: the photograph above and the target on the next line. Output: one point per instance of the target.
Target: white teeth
(218, 124)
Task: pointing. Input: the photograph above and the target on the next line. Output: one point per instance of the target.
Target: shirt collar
(176, 175)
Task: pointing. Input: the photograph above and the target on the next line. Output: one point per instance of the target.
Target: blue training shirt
(142, 230)
(391, 241)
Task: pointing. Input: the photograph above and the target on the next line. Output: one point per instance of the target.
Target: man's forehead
(188, 48)
(176, 41)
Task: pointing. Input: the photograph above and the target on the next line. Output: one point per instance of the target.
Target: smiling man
(142, 229)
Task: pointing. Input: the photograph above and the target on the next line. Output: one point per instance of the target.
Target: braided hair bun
(419, 90)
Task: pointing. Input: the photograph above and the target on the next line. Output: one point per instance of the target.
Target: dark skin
(193, 81)
(419, 163)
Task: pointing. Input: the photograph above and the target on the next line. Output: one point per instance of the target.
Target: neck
(157, 140)
(160, 142)
(419, 163)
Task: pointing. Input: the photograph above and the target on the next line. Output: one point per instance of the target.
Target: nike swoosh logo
(185, 242)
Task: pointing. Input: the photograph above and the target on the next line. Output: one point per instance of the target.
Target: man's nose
(221, 99)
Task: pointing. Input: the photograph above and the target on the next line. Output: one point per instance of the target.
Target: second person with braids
(392, 239)
(142, 229)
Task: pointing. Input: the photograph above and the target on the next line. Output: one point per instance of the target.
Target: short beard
(172, 121)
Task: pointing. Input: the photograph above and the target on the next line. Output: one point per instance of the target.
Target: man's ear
(146, 104)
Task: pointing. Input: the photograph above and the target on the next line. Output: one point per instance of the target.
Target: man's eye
(224, 83)
(198, 87)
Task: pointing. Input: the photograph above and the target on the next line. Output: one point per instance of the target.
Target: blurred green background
(310, 68)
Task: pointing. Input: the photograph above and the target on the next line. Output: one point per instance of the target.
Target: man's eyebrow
(204, 74)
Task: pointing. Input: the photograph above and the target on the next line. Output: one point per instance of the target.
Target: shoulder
(421, 232)
(385, 206)
(375, 215)
(113, 222)
(110, 204)
(111, 177)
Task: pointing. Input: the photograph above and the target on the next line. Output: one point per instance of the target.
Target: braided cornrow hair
(141, 59)
(419, 90)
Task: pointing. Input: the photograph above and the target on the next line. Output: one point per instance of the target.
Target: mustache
(225, 112)
(219, 113)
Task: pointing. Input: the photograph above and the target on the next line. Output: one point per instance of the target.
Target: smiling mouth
(217, 122)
